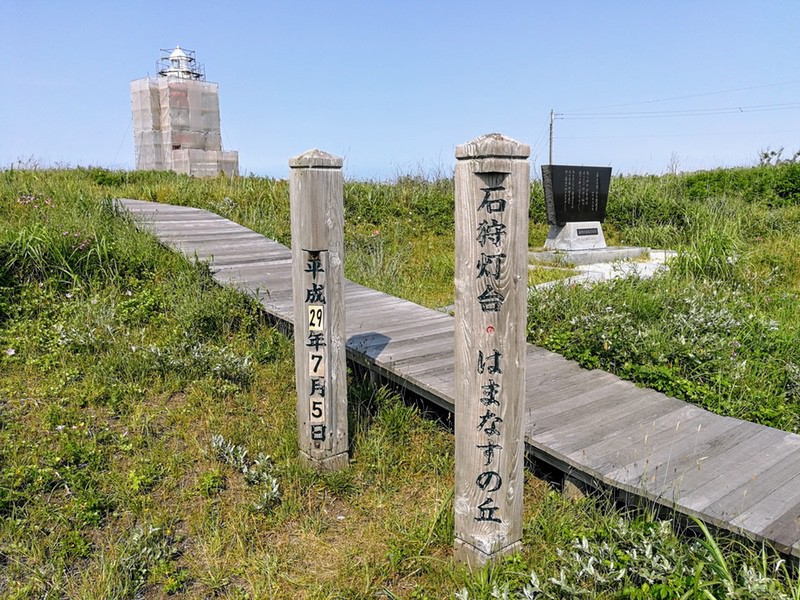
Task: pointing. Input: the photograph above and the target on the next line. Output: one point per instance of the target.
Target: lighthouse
(176, 124)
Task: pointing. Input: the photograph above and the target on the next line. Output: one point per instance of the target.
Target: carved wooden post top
(492, 145)
(315, 159)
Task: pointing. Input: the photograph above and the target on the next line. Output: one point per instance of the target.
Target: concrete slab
(603, 271)
(588, 257)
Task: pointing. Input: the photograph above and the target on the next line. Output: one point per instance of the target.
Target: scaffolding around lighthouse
(176, 123)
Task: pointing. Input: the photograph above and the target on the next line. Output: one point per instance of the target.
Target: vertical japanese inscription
(314, 278)
(492, 191)
(489, 271)
(490, 262)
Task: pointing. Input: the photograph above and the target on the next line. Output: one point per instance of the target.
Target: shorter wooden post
(492, 191)
(317, 223)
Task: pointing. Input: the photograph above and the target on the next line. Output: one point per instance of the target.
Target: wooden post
(492, 194)
(317, 221)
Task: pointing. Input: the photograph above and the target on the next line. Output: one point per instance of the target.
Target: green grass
(543, 274)
(147, 437)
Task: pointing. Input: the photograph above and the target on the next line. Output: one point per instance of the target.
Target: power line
(684, 97)
(540, 139)
(122, 141)
(696, 112)
(671, 135)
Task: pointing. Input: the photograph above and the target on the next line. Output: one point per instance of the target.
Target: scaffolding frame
(176, 120)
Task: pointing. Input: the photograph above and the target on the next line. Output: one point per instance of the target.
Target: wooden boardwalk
(590, 425)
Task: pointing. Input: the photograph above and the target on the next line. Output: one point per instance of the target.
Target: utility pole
(552, 118)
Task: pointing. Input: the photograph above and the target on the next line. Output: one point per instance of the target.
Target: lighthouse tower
(176, 119)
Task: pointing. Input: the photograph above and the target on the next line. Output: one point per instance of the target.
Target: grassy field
(147, 438)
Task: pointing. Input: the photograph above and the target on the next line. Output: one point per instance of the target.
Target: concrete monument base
(583, 235)
(588, 257)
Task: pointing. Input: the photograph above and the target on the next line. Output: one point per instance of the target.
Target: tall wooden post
(317, 222)
(492, 193)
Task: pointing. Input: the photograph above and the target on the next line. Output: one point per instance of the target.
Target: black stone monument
(575, 194)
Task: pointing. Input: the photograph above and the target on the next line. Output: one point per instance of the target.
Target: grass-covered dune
(147, 439)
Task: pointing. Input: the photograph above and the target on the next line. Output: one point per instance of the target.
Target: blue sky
(393, 86)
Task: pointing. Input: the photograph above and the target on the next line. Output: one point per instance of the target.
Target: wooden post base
(331, 463)
(468, 554)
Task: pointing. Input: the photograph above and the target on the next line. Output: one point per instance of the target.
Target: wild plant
(642, 559)
(723, 346)
(257, 472)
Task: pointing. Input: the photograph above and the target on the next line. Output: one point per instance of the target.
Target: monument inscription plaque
(575, 194)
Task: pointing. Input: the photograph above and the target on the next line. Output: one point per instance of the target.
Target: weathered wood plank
(670, 478)
(659, 450)
(551, 370)
(637, 440)
(582, 409)
(253, 271)
(760, 450)
(188, 242)
(184, 216)
(580, 440)
(442, 363)
(784, 531)
(221, 251)
(739, 500)
(698, 464)
(399, 338)
(783, 501)
(217, 260)
(386, 311)
(406, 348)
(194, 227)
(395, 326)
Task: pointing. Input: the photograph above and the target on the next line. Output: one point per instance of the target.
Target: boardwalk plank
(225, 251)
(632, 431)
(387, 311)
(392, 326)
(201, 231)
(441, 362)
(559, 395)
(765, 515)
(640, 438)
(784, 531)
(663, 446)
(712, 453)
(580, 440)
(570, 397)
(399, 334)
(685, 467)
(739, 500)
(418, 346)
(581, 413)
(759, 451)
(183, 241)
